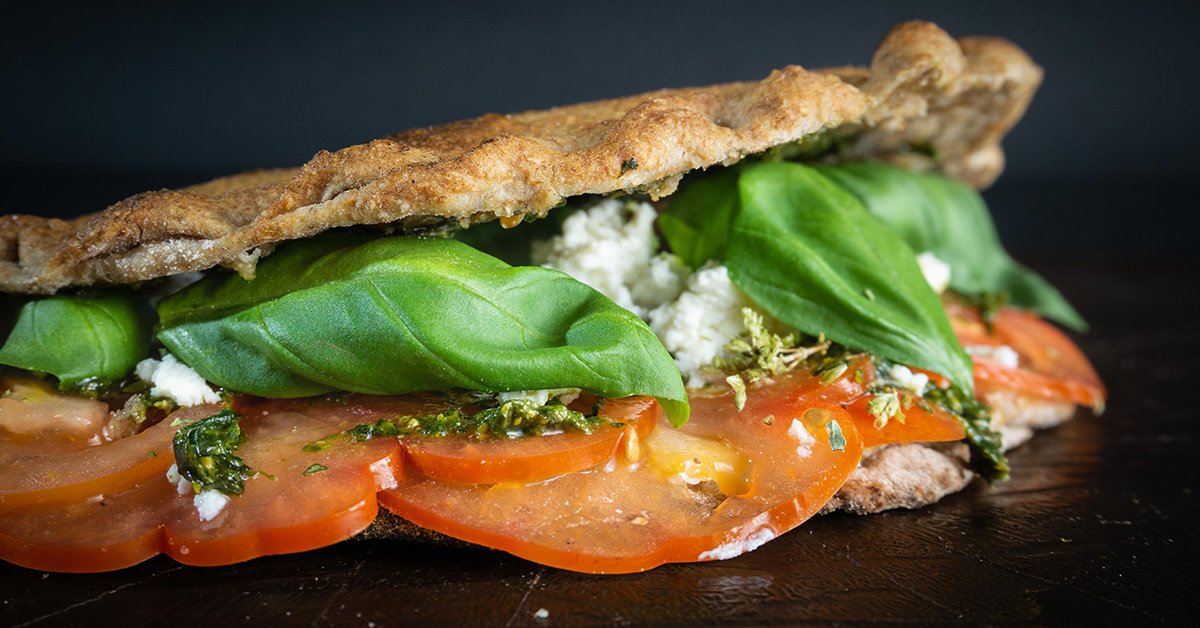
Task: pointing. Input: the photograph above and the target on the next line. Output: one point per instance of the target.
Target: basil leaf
(398, 315)
(810, 254)
(78, 338)
(515, 245)
(949, 219)
(697, 221)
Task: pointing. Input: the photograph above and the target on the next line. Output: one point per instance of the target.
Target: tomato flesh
(620, 499)
(627, 516)
(292, 512)
(1051, 365)
(104, 469)
(35, 420)
(471, 461)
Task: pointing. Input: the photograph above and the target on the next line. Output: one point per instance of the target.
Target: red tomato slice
(36, 420)
(292, 512)
(472, 461)
(72, 476)
(630, 516)
(1051, 365)
(850, 391)
(917, 426)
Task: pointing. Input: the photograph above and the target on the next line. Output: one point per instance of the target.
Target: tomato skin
(470, 461)
(630, 517)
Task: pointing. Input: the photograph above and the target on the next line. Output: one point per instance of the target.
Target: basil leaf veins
(81, 340)
(949, 219)
(808, 252)
(401, 314)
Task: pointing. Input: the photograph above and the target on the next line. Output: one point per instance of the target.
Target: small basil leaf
(78, 338)
(949, 219)
(697, 221)
(398, 315)
(810, 254)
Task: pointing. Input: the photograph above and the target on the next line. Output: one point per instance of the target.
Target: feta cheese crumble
(903, 378)
(182, 486)
(696, 327)
(175, 380)
(937, 272)
(209, 504)
(803, 437)
(1004, 355)
(751, 536)
(541, 397)
(611, 247)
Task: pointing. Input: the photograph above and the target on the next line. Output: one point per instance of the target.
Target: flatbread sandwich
(662, 328)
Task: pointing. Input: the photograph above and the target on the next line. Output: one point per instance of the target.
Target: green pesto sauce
(511, 419)
(205, 453)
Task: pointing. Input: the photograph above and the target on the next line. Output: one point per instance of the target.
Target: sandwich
(603, 337)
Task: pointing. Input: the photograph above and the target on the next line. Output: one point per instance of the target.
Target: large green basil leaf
(809, 253)
(401, 314)
(697, 221)
(949, 219)
(78, 338)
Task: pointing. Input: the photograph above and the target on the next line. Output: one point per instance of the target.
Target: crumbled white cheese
(209, 504)
(175, 380)
(182, 485)
(611, 247)
(541, 613)
(803, 437)
(749, 538)
(902, 377)
(936, 272)
(696, 327)
(541, 397)
(1004, 355)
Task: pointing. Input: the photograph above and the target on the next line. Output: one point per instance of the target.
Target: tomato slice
(287, 511)
(472, 461)
(36, 420)
(1051, 365)
(929, 424)
(629, 515)
(284, 510)
(71, 476)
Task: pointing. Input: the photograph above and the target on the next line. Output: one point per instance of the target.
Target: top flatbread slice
(926, 101)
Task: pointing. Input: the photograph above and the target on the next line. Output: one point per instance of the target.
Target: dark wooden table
(1098, 523)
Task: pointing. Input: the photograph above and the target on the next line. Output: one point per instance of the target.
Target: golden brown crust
(923, 89)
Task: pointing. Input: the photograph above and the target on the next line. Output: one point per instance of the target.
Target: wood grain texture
(1098, 523)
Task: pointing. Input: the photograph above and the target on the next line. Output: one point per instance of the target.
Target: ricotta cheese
(175, 380)
(937, 272)
(1005, 355)
(611, 247)
(696, 326)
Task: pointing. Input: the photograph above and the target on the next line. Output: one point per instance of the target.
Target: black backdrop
(105, 101)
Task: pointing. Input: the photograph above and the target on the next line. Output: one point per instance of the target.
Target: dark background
(106, 101)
